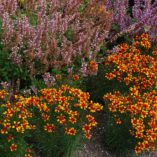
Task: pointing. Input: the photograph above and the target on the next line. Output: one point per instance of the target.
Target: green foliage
(117, 138)
(83, 6)
(21, 146)
(55, 145)
(98, 85)
(38, 83)
(69, 34)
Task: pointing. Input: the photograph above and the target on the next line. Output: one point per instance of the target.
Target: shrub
(136, 66)
(54, 114)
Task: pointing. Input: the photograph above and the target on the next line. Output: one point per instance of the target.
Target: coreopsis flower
(91, 120)
(134, 91)
(72, 119)
(7, 125)
(4, 131)
(13, 147)
(88, 135)
(82, 105)
(3, 93)
(86, 128)
(49, 127)
(118, 121)
(45, 117)
(44, 107)
(9, 138)
(61, 119)
(73, 113)
(75, 77)
(70, 131)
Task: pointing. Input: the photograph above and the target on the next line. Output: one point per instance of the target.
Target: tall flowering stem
(59, 32)
(140, 17)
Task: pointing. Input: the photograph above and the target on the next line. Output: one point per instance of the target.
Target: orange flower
(45, 117)
(13, 147)
(93, 66)
(139, 135)
(7, 125)
(72, 120)
(88, 135)
(86, 128)
(138, 149)
(82, 105)
(73, 113)
(4, 131)
(90, 118)
(134, 91)
(70, 131)
(3, 93)
(9, 138)
(118, 121)
(75, 77)
(61, 119)
(110, 76)
(123, 47)
(93, 123)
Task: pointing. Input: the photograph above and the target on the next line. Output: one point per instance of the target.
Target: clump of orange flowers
(3, 94)
(136, 66)
(66, 106)
(70, 103)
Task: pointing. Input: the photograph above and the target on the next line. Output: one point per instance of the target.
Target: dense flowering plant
(136, 66)
(134, 16)
(37, 36)
(65, 108)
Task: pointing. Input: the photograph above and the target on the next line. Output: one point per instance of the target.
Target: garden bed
(78, 78)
